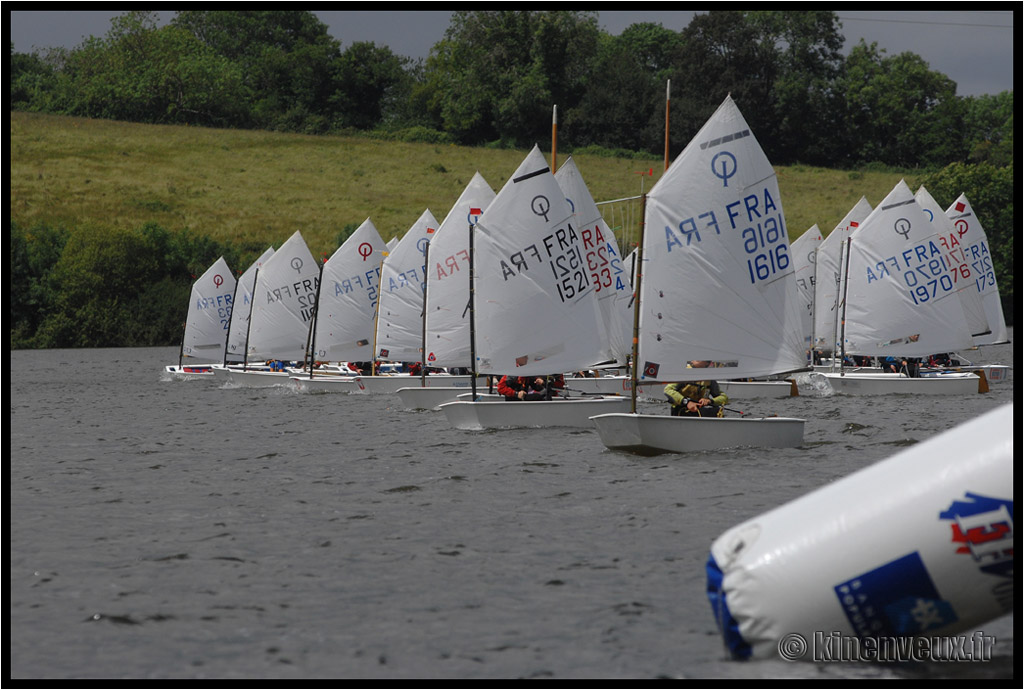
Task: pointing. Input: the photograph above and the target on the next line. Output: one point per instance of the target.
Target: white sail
(603, 260)
(717, 273)
(347, 311)
(805, 254)
(955, 254)
(900, 297)
(209, 313)
(535, 303)
(243, 298)
(975, 243)
(285, 298)
(447, 324)
(828, 277)
(402, 281)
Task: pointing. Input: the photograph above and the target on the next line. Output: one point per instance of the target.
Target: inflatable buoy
(916, 546)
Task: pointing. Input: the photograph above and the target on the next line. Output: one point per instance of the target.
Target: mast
(472, 317)
(846, 285)
(312, 322)
(376, 317)
(227, 338)
(248, 325)
(668, 87)
(638, 274)
(554, 137)
(423, 334)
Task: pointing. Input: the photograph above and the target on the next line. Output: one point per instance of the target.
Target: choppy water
(181, 529)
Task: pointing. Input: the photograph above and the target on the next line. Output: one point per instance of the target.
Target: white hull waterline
(377, 385)
(190, 371)
(257, 378)
(432, 397)
(739, 390)
(893, 384)
(500, 414)
(381, 385)
(994, 373)
(655, 434)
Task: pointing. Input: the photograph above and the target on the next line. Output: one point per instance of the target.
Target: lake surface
(191, 530)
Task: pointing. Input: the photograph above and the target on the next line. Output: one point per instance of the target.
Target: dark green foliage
(993, 195)
(492, 81)
(104, 287)
(496, 76)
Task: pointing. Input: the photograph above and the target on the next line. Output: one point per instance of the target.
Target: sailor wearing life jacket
(696, 398)
(529, 388)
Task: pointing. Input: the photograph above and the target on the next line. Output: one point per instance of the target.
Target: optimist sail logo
(982, 528)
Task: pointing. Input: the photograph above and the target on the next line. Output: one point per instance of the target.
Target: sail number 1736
(767, 250)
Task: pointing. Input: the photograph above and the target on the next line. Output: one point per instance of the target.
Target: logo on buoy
(982, 527)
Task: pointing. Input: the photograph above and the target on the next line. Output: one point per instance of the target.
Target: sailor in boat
(529, 387)
(696, 398)
(910, 366)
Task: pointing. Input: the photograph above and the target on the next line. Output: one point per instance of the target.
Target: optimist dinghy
(716, 285)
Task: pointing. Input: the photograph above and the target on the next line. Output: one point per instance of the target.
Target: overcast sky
(975, 49)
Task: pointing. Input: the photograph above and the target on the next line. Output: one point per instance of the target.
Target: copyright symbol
(792, 647)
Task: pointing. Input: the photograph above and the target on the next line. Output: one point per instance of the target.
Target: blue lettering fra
(690, 231)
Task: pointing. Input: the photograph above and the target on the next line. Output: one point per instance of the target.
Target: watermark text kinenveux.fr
(835, 646)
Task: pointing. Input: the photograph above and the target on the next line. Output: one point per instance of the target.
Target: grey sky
(975, 49)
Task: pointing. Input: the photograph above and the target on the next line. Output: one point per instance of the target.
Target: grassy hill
(260, 187)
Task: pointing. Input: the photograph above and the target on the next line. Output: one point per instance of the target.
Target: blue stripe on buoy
(727, 625)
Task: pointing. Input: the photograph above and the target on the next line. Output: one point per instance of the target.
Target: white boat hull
(432, 397)
(994, 373)
(890, 384)
(190, 371)
(501, 414)
(740, 390)
(323, 384)
(645, 434)
(256, 378)
(378, 385)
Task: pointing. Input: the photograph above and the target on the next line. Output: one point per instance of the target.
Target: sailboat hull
(390, 384)
(254, 378)
(740, 390)
(891, 384)
(432, 397)
(193, 371)
(572, 412)
(994, 373)
(656, 434)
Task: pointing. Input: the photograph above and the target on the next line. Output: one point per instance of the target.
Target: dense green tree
(142, 73)
(33, 254)
(988, 129)
(624, 102)
(897, 111)
(369, 82)
(993, 195)
(32, 80)
(497, 74)
(721, 56)
(288, 60)
(803, 54)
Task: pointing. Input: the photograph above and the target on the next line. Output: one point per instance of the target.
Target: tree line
(491, 81)
(495, 76)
